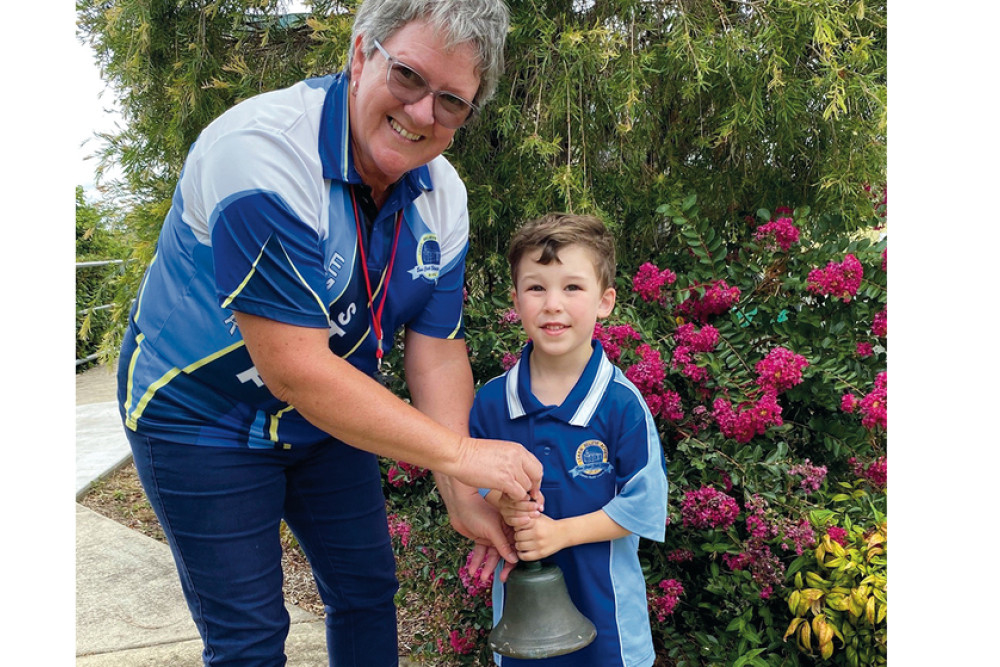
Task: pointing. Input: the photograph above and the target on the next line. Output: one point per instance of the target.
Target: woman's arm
(440, 380)
(298, 367)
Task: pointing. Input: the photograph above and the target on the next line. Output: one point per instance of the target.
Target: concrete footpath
(130, 611)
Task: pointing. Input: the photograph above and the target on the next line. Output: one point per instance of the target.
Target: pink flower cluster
(401, 473)
(472, 580)
(666, 404)
(865, 350)
(763, 525)
(718, 298)
(839, 280)
(766, 568)
(800, 535)
(613, 337)
(691, 340)
(510, 316)
(508, 360)
(400, 528)
(873, 407)
(736, 562)
(749, 419)
(462, 643)
(663, 604)
(812, 475)
(708, 508)
(649, 281)
(880, 325)
(780, 233)
(648, 375)
(758, 524)
(680, 555)
(838, 535)
(876, 472)
(781, 369)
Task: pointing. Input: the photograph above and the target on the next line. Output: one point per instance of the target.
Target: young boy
(605, 481)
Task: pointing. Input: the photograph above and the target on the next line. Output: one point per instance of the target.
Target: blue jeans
(221, 509)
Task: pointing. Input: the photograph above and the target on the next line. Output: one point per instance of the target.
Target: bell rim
(536, 648)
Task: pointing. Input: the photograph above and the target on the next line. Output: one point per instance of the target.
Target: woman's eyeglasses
(407, 86)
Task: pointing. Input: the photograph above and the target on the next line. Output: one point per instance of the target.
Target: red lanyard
(386, 275)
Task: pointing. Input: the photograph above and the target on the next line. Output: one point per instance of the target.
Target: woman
(308, 225)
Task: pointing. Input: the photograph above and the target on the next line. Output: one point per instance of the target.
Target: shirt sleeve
(476, 429)
(445, 210)
(268, 255)
(640, 505)
(442, 317)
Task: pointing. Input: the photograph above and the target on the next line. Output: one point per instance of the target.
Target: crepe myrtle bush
(762, 357)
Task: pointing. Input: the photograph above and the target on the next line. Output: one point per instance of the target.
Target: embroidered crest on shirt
(428, 258)
(591, 460)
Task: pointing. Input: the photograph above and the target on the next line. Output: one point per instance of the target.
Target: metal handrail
(84, 265)
(99, 262)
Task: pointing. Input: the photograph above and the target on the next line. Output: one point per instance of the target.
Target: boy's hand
(539, 538)
(519, 513)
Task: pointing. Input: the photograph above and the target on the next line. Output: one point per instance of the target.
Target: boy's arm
(544, 536)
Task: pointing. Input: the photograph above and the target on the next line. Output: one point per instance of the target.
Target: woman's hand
(498, 464)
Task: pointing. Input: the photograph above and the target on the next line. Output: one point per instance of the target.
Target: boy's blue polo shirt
(262, 222)
(600, 450)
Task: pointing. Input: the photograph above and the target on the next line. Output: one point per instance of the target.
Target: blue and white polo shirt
(262, 222)
(600, 450)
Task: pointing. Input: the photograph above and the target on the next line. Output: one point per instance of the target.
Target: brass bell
(539, 618)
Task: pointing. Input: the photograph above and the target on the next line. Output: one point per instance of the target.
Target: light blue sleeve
(640, 505)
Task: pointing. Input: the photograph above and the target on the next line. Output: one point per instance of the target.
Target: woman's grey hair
(484, 23)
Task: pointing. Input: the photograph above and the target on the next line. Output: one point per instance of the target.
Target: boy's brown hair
(554, 231)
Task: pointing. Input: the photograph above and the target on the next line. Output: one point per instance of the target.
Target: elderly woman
(308, 226)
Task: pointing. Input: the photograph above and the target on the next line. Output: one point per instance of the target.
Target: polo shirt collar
(335, 151)
(581, 403)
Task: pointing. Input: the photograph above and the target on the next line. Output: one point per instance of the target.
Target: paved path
(130, 611)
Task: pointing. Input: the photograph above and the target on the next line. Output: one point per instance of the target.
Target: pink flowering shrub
(838, 535)
(708, 508)
(401, 473)
(748, 419)
(781, 369)
(880, 324)
(778, 234)
(840, 280)
(704, 301)
(762, 358)
(400, 529)
(812, 475)
(649, 283)
(614, 337)
(663, 600)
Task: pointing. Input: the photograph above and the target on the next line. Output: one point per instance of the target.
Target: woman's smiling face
(390, 137)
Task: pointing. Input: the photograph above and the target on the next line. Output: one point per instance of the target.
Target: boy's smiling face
(560, 302)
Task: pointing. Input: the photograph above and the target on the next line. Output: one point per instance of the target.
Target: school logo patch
(592, 460)
(428, 258)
